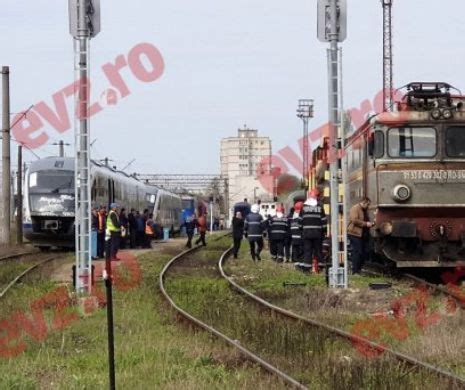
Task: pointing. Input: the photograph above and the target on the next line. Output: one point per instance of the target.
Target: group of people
(114, 230)
(191, 224)
(299, 235)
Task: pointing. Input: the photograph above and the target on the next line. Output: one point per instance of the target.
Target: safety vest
(148, 228)
(110, 226)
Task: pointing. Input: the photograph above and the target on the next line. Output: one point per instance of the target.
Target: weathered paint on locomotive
(427, 229)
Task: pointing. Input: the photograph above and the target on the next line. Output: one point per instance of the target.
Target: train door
(111, 192)
(365, 167)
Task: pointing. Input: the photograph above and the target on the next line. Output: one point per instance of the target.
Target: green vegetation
(429, 330)
(309, 354)
(152, 350)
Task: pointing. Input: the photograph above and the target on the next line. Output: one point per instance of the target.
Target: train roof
(67, 164)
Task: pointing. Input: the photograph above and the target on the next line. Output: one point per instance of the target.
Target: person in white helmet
(253, 228)
(314, 228)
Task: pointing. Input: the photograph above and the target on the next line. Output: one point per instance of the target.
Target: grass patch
(152, 351)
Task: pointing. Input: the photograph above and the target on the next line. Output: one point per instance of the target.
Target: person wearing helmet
(296, 232)
(278, 232)
(288, 239)
(253, 228)
(314, 228)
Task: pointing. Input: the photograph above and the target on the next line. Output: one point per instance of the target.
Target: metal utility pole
(61, 148)
(84, 25)
(305, 112)
(6, 160)
(211, 214)
(388, 82)
(19, 210)
(332, 29)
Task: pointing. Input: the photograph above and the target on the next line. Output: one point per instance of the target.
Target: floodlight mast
(305, 112)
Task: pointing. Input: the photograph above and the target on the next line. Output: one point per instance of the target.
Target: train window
(455, 141)
(50, 181)
(412, 142)
(379, 145)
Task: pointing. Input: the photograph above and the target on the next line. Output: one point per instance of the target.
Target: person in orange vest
(149, 233)
(101, 226)
(202, 226)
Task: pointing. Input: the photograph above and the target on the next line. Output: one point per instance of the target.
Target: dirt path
(63, 272)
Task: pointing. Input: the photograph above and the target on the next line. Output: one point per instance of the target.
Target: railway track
(449, 290)
(16, 255)
(20, 274)
(411, 362)
(339, 332)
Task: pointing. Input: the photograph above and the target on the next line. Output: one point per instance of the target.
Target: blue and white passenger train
(49, 200)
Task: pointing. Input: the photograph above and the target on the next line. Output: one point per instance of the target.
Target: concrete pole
(6, 160)
(19, 213)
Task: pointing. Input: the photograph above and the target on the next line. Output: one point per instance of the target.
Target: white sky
(227, 63)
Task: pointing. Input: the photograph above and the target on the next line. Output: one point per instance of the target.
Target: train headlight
(447, 114)
(386, 228)
(435, 113)
(401, 193)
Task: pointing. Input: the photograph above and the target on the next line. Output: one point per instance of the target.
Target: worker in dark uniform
(132, 228)
(296, 233)
(124, 223)
(253, 227)
(113, 231)
(278, 232)
(288, 239)
(190, 224)
(359, 233)
(314, 228)
(238, 232)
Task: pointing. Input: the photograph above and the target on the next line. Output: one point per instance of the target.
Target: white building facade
(246, 163)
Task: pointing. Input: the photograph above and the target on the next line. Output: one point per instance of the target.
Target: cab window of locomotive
(455, 141)
(412, 142)
(58, 182)
(379, 144)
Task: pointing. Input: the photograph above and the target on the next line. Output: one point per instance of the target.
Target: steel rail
(250, 355)
(24, 273)
(339, 332)
(442, 289)
(15, 255)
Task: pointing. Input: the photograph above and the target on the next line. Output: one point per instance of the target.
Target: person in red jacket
(202, 226)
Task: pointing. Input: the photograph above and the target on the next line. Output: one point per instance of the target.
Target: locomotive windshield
(412, 142)
(52, 192)
(455, 141)
(55, 182)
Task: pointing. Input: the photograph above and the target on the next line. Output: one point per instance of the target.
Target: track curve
(338, 332)
(250, 355)
(21, 275)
